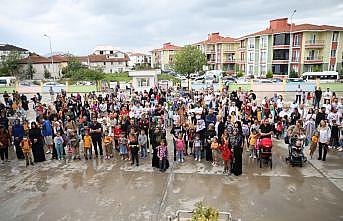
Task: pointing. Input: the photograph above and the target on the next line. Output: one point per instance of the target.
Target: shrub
(269, 74)
(203, 213)
(240, 74)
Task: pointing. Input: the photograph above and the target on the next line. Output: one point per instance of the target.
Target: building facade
(6, 49)
(138, 59)
(163, 57)
(108, 63)
(41, 65)
(284, 48)
(220, 52)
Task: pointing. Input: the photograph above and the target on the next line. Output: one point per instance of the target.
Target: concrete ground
(114, 190)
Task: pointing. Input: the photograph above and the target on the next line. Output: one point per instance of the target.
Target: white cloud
(141, 25)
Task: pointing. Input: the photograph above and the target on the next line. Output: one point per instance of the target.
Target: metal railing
(314, 58)
(315, 42)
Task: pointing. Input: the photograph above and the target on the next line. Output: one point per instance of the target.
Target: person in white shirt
(327, 95)
(324, 139)
(298, 94)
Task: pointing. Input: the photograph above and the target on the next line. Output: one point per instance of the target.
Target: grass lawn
(245, 87)
(81, 88)
(8, 89)
(168, 77)
(332, 86)
(124, 76)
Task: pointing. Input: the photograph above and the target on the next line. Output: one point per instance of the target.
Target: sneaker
(340, 149)
(179, 161)
(2, 162)
(250, 156)
(32, 163)
(47, 152)
(199, 159)
(86, 158)
(182, 160)
(8, 160)
(196, 159)
(255, 157)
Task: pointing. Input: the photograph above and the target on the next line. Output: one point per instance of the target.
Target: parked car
(295, 80)
(276, 80)
(243, 80)
(53, 84)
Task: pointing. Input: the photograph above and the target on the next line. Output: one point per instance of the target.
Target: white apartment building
(138, 59)
(6, 49)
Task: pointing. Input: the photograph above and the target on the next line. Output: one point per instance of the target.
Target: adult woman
(18, 134)
(324, 138)
(209, 136)
(236, 144)
(155, 142)
(310, 124)
(5, 140)
(36, 138)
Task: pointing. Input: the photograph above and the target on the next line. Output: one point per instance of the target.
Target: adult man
(266, 129)
(317, 97)
(96, 133)
(47, 133)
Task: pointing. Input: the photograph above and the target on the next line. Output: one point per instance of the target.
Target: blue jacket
(210, 119)
(18, 131)
(47, 128)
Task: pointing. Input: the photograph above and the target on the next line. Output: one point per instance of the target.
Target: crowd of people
(208, 127)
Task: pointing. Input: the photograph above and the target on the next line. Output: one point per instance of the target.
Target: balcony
(210, 51)
(314, 44)
(295, 59)
(228, 50)
(275, 61)
(229, 60)
(313, 60)
(211, 61)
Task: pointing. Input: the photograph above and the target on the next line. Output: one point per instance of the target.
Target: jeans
(179, 155)
(97, 142)
(197, 153)
(4, 153)
(316, 103)
(59, 150)
(321, 147)
(144, 151)
(298, 99)
(163, 164)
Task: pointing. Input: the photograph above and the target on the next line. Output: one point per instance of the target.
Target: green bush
(240, 74)
(203, 213)
(168, 77)
(269, 74)
(293, 74)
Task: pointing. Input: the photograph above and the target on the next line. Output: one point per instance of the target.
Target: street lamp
(291, 44)
(52, 59)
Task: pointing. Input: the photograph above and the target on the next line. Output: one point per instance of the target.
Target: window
(335, 36)
(263, 70)
(296, 40)
(242, 44)
(110, 70)
(263, 56)
(332, 67)
(111, 52)
(296, 54)
(143, 82)
(251, 56)
(281, 39)
(242, 56)
(251, 69)
(333, 53)
(251, 42)
(105, 63)
(111, 62)
(263, 41)
(280, 54)
(101, 52)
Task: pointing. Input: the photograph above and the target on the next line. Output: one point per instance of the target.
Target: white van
(7, 81)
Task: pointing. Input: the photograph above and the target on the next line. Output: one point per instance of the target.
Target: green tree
(269, 74)
(293, 74)
(188, 60)
(47, 73)
(30, 70)
(240, 74)
(10, 65)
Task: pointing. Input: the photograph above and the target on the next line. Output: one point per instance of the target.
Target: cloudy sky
(77, 26)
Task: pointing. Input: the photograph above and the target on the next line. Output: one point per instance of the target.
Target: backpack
(179, 144)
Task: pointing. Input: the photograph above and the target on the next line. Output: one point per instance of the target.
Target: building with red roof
(163, 57)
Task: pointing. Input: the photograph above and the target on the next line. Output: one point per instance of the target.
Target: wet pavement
(114, 190)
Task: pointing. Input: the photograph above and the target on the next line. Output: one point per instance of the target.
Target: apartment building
(298, 48)
(163, 57)
(108, 63)
(41, 64)
(6, 49)
(220, 52)
(138, 59)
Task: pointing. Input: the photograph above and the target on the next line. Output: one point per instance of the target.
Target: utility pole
(290, 54)
(52, 58)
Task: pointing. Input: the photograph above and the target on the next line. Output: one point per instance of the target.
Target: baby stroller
(296, 154)
(265, 152)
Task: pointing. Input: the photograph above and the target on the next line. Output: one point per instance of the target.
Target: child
(87, 140)
(215, 148)
(133, 144)
(252, 143)
(162, 153)
(278, 129)
(197, 146)
(226, 155)
(116, 133)
(26, 146)
(74, 143)
(123, 146)
(245, 132)
(58, 140)
(142, 141)
(108, 145)
(314, 143)
(180, 147)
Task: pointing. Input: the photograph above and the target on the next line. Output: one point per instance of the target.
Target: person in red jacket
(116, 134)
(226, 154)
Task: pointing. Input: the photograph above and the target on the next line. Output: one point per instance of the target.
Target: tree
(293, 74)
(47, 74)
(10, 65)
(30, 70)
(269, 74)
(188, 60)
(240, 74)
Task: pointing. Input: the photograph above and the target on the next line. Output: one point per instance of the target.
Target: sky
(77, 26)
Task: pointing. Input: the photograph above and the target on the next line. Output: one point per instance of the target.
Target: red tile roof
(35, 59)
(102, 58)
(214, 38)
(136, 54)
(168, 47)
(281, 26)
